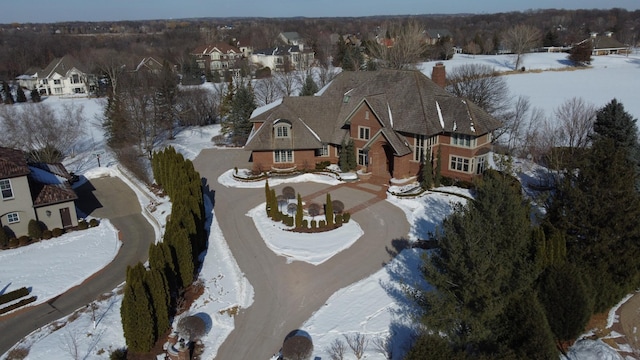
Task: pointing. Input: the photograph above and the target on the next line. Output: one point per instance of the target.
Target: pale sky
(49, 11)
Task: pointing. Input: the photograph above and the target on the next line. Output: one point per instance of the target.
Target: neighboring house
(218, 57)
(34, 192)
(284, 58)
(396, 118)
(291, 38)
(150, 64)
(63, 76)
(432, 36)
(605, 44)
(29, 80)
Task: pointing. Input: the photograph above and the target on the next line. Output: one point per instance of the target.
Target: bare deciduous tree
(38, 129)
(288, 82)
(357, 343)
(472, 48)
(383, 345)
(521, 39)
(407, 49)
(267, 90)
(196, 106)
(575, 119)
(482, 85)
(326, 74)
(337, 349)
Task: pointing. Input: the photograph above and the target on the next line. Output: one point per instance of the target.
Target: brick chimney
(439, 75)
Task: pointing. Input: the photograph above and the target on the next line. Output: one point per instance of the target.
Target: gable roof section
(48, 194)
(60, 66)
(149, 63)
(218, 47)
(13, 163)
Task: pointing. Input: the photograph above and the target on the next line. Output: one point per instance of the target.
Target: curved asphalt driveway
(103, 198)
(286, 295)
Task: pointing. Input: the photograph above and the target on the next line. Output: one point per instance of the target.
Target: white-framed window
(13, 218)
(283, 156)
(45, 81)
(463, 140)
(323, 151)
(422, 147)
(481, 165)
(362, 157)
(7, 190)
(364, 133)
(57, 91)
(282, 131)
(460, 164)
(56, 81)
(75, 79)
(366, 115)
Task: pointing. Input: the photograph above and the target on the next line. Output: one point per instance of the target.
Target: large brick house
(34, 192)
(396, 119)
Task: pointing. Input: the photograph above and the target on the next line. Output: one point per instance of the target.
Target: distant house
(432, 36)
(34, 192)
(290, 38)
(396, 120)
(284, 58)
(150, 64)
(605, 44)
(29, 80)
(63, 76)
(219, 57)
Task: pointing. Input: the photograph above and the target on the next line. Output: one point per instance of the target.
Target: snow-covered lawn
(382, 309)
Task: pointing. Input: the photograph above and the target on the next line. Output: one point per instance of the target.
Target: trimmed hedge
(57, 232)
(46, 235)
(19, 304)
(13, 295)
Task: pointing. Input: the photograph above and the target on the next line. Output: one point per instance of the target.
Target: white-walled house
(63, 76)
(278, 58)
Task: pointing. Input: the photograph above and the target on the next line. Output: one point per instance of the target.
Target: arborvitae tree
(20, 95)
(426, 174)
(6, 93)
(35, 96)
(267, 197)
(181, 248)
(309, 88)
(437, 178)
(136, 313)
(352, 161)
(469, 289)
(157, 288)
(565, 300)
(328, 211)
(299, 214)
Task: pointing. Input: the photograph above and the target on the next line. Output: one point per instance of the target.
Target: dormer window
(282, 129)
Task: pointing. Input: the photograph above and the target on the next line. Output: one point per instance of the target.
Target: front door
(65, 215)
(379, 160)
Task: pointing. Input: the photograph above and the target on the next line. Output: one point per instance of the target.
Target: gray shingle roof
(61, 66)
(404, 102)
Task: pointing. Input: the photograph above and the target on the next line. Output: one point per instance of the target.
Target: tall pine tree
(484, 259)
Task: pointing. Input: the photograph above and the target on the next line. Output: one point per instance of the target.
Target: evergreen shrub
(57, 232)
(46, 235)
(4, 239)
(13, 243)
(346, 217)
(305, 223)
(23, 240)
(35, 229)
(83, 225)
(338, 220)
(93, 222)
(322, 223)
(314, 224)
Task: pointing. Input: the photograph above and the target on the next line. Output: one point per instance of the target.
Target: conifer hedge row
(150, 295)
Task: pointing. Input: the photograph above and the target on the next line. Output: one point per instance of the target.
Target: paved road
(104, 198)
(286, 295)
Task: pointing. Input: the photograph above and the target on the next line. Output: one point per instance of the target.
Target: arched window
(282, 129)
